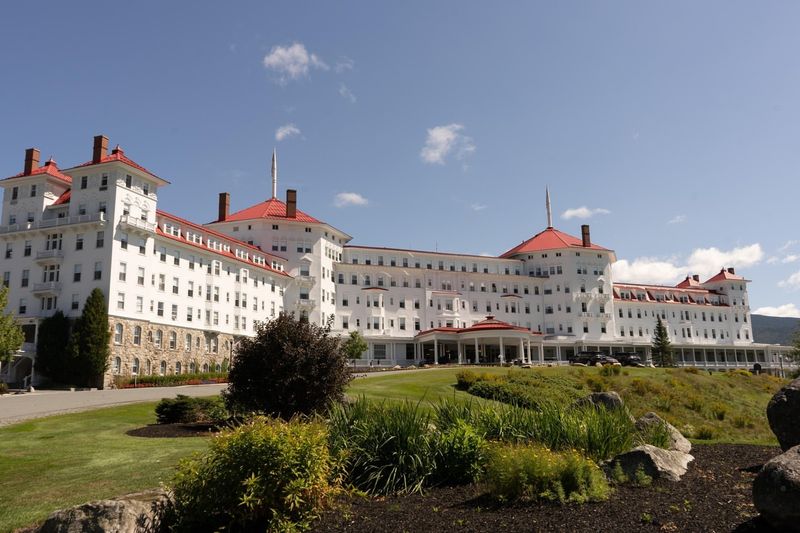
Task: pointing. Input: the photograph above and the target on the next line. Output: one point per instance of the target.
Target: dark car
(629, 359)
(593, 358)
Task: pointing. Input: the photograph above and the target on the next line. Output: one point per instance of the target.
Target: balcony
(54, 223)
(585, 315)
(49, 256)
(582, 296)
(305, 303)
(604, 316)
(137, 225)
(304, 280)
(49, 288)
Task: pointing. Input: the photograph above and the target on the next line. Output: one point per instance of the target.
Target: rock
(133, 513)
(677, 441)
(655, 462)
(397, 367)
(783, 412)
(609, 400)
(776, 491)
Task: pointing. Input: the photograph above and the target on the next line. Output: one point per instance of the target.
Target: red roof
(272, 209)
(688, 283)
(117, 154)
(724, 275)
(49, 168)
(550, 239)
(64, 198)
(488, 324)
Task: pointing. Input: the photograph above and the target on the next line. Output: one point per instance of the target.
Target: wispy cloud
(443, 141)
(785, 310)
(286, 131)
(292, 62)
(791, 258)
(346, 93)
(792, 282)
(343, 64)
(702, 261)
(677, 219)
(787, 245)
(583, 212)
(346, 199)
(477, 207)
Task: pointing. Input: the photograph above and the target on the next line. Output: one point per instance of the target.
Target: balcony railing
(44, 255)
(53, 223)
(49, 287)
(305, 279)
(137, 223)
(304, 302)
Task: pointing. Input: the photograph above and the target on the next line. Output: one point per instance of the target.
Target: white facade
(180, 294)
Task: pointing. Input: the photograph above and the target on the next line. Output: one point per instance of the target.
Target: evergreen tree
(795, 353)
(11, 336)
(354, 346)
(89, 343)
(51, 353)
(662, 348)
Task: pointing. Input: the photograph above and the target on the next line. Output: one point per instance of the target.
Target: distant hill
(773, 329)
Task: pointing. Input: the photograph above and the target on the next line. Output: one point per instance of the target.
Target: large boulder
(783, 413)
(609, 400)
(776, 491)
(134, 513)
(653, 461)
(677, 441)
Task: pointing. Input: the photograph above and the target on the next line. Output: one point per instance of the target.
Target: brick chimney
(100, 148)
(696, 277)
(587, 241)
(31, 160)
(731, 270)
(291, 203)
(224, 206)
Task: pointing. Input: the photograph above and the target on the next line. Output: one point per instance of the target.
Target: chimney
(291, 203)
(696, 277)
(100, 149)
(587, 242)
(731, 270)
(31, 160)
(224, 206)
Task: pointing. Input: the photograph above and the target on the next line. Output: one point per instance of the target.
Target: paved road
(15, 408)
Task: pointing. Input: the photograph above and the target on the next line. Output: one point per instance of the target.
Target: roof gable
(270, 209)
(550, 239)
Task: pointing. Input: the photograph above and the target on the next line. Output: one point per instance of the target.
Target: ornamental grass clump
(264, 475)
(533, 472)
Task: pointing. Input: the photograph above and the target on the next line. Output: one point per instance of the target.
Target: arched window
(187, 345)
(178, 367)
(150, 335)
(135, 367)
(118, 329)
(163, 367)
(218, 368)
(137, 335)
(205, 367)
(173, 340)
(192, 367)
(117, 365)
(158, 338)
(149, 366)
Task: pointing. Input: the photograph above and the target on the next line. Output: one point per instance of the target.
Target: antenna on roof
(549, 209)
(274, 173)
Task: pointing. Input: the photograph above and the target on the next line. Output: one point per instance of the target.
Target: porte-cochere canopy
(488, 341)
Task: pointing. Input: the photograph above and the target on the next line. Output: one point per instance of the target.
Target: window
(84, 181)
(104, 182)
(118, 329)
(120, 300)
(9, 250)
(76, 274)
(123, 271)
(123, 240)
(139, 304)
(25, 275)
(163, 367)
(79, 241)
(160, 309)
(27, 250)
(98, 270)
(117, 365)
(14, 194)
(159, 337)
(135, 366)
(145, 189)
(173, 341)
(23, 306)
(174, 313)
(128, 181)
(137, 335)
(75, 302)
(140, 276)
(101, 237)
(175, 288)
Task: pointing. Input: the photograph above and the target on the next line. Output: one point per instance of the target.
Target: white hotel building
(180, 293)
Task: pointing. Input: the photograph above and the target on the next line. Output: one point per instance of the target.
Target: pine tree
(89, 343)
(11, 336)
(51, 355)
(662, 348)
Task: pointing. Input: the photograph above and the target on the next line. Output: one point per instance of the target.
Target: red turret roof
(49, 168)
(550, 239)
(271, 209)
(117, 154)
(724, 275)
(490, 323)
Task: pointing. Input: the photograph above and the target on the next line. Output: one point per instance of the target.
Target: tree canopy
(89, 344)
(662, 347)
(11, 335)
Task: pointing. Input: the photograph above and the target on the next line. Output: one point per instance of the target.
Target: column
(521, 351)
(502, 352)
(558, 354)
(476, 351)
(460, 353)
(435, 351)
(530, 355)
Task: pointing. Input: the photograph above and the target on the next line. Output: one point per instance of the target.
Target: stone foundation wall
(146, 350)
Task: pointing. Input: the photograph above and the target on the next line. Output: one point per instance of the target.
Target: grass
(65, 460)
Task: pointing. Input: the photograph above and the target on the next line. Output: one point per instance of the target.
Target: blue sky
(672, 127)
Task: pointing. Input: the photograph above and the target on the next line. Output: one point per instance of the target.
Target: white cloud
(292, 62)
(344, 64)
(477, 207)
(346, 93)
(286, 131)
(583, 212)
(702, 261)
(792, 282)
(791, 258)
(345, 199)
(445, 140)
(772, 260)
(785, 310)
(677, 219)
(787, 245)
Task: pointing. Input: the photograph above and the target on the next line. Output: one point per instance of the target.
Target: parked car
(629, 359)
(592, 358)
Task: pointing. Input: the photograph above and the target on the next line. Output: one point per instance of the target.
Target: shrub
(663, 403)
(531, 472)
(741, 422)
(506, 392)
(290, 367)
(610, 370)
(741, 372)
(719, 411)
(691, 370)
(184, 409)
(465, 379)
(641, 479)
(266, 474)
(597, 384)
(171, 380)
(694, 403)
(460, 453)
(704, 433)
(3, 388)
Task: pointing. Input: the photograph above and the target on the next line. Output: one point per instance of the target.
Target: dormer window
(145, 189)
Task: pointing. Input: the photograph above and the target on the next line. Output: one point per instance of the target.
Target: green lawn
(428, 385)
(65, 460)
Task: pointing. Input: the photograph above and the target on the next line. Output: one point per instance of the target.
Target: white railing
(49, 286)
(53, 223)
(305, 302)
(305, 279)
(49, 254)
(137, 223)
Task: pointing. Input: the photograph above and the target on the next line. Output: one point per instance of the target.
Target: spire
(274, 174)
(549, 209)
